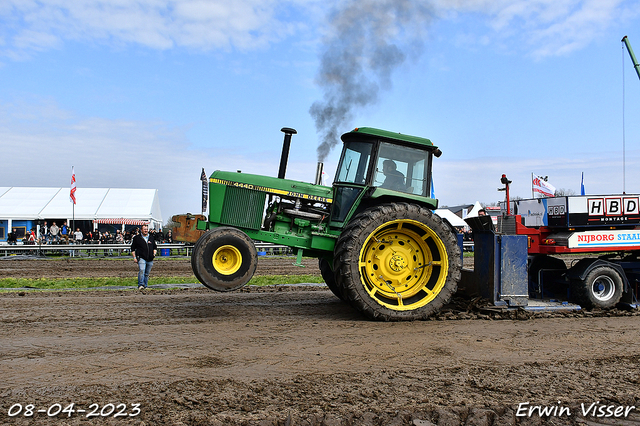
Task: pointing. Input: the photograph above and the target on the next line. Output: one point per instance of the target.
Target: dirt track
(126, 267)
(298, 356)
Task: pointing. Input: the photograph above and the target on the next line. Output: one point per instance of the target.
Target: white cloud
(158, 24)
(547, 27)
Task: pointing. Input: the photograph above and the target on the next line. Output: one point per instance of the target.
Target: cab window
(354, 163)
(401, 168)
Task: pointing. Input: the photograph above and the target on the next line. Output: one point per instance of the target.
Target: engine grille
(243, 208)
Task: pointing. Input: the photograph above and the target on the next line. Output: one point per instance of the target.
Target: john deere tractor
(380, 247)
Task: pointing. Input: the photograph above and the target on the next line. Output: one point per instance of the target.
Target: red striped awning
(121, 221)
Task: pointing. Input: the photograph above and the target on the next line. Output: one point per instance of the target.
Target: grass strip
(71, 283)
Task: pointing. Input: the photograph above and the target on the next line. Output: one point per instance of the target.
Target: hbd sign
(614, 206)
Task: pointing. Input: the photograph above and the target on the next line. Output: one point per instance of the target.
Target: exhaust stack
(319, 173)
(285, 150)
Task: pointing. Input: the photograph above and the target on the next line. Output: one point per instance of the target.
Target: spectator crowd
(55, 234)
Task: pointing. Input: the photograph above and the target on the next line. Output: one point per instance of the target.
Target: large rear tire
(194, 257)
(601, 288)
(224, 259)
(329, 277)
(397, 261)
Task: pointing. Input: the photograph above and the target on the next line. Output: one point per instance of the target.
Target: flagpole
(532, 196)
(72, 198)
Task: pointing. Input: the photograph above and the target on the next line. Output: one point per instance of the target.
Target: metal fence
(102, 250)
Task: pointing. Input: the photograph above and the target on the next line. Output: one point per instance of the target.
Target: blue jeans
(144, 268)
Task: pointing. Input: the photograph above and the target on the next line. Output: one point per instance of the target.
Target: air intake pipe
(285, 150)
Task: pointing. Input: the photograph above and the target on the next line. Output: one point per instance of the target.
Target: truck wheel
(397, 261)
(602, 288)
(329, 278)
(224, 259)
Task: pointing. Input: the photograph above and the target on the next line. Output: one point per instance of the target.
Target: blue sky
(144, 93)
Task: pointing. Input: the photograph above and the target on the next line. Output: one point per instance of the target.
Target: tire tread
(347, 251)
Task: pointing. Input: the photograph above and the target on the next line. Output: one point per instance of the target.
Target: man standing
(64, 232)
(43, 233)
(78, 236)
(143, 250)
(54, 230)
(12, 238)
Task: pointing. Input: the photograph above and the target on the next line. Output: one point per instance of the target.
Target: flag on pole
(542, 188)
(582, 185)
(205, 190)
(72, 194)
(433, 188)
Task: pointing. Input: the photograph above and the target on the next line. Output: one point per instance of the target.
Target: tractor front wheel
(397, 261)
(224, 259)
(329, 277)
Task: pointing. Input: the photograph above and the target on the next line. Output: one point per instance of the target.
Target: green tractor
(380, 247)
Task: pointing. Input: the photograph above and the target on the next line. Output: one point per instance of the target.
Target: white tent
(88, 201)
(451, 217)
(22, 203)
(474, 211)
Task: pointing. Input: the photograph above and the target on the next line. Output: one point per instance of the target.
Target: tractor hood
(273, 185)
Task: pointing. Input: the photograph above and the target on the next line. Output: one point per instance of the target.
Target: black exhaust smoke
(367, 41)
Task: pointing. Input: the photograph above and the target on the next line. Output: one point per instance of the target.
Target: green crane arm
(636, 65)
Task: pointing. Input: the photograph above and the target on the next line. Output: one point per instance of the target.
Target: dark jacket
(394, 180)
(143, 249)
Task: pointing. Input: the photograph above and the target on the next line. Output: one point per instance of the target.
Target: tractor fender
(580, 270)
(381, 195)
(376, 196)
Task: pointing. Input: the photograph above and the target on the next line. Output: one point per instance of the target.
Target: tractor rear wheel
(329, 277)
(193, 259)
(397, 261)
(601, 288)
(224, 259)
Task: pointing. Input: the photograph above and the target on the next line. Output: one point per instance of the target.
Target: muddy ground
(298, 356)
(124, 266)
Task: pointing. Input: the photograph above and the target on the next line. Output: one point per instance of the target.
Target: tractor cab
(376, 163)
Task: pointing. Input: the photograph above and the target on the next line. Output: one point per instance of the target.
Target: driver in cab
(394, 180)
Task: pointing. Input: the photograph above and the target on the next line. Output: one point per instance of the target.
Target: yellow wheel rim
(227, 260)
(403, 265)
